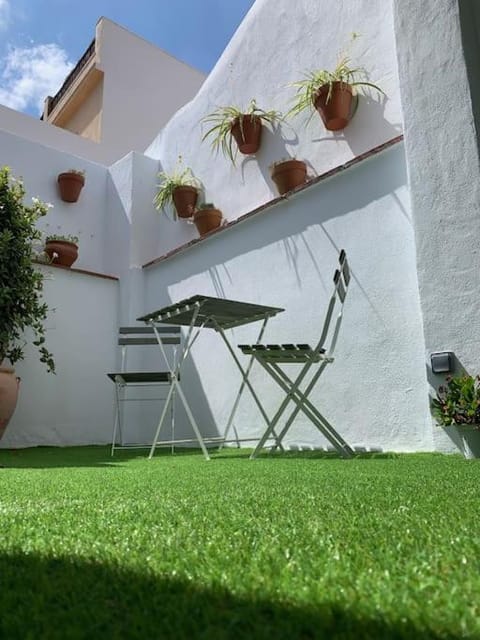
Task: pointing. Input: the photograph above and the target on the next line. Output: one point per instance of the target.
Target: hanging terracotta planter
(207, 218)
(62, 252)
(288, 175)
(9, 384)
(247, 131)
(185, 200)
(334, 109)
(70, 184)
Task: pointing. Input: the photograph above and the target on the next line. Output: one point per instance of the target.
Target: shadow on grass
(99, 456)
(70, 598)
(90, 456)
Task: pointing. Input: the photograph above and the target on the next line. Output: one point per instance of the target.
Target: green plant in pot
(234, 129)
(331, 93)
(457, 406)
(178, 190)
(207, 217)
(21, 303)
(61, 249)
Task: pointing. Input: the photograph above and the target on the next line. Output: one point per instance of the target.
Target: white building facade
(400, 196)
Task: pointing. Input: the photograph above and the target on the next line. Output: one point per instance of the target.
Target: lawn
(294, 546)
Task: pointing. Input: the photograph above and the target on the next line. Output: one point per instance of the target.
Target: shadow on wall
(322, 202)
(358, 133)
(75, 598)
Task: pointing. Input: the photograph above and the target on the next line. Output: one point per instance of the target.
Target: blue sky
(40, 40)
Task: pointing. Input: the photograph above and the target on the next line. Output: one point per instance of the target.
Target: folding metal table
(207, 312)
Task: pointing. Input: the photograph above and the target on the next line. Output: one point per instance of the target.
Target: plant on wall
(61, 249)
(243, 126)
(21, 301)
(458, 401)
(330, 92)
(179, 190)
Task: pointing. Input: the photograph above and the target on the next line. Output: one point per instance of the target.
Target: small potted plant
(457, 407)
(21, 301)
(330, 93)
(178, 189)
(288, 174)
(207, 218)
(242, 126)
(70, 183)
(62, 249)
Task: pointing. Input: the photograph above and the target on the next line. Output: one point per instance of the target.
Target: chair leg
(117, 422)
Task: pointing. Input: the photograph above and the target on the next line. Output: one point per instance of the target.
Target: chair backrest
(341, 281)
(144, 335)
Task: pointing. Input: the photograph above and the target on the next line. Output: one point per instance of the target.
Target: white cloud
(4, 14)
(28, 75)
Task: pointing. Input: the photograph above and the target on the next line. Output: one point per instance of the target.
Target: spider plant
(224, 118)
(171, 181)
(308, 88)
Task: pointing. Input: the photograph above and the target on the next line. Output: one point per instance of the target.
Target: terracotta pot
(289, 174)
(66, 252)
(9, 384)
(70, 185)
(185, 199)
(336, 111)
(248, 134)
(207, 219)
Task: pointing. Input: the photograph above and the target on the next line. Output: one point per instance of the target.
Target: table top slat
(213, 311)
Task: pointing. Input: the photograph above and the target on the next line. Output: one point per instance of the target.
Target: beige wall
(86, 121)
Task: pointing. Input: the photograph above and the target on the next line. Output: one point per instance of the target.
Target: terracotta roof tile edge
(271, 203)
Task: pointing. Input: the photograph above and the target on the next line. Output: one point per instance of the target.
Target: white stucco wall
(74, 406)
(35, 130)
(444, 168)
(376, 392)
(275, 45)
(39, 166)
(143, 87)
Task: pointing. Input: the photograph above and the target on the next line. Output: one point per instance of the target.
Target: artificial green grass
(294, 546)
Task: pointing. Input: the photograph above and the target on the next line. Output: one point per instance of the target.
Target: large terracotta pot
(9, 384)
(289, 174)
(70, 184)
(336, 111)
(207, 219)
(247, 133)
(185, 199)
(65, 252)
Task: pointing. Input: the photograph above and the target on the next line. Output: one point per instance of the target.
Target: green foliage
(308, 87)
(222, 120)
(180, 177)
(21, 305)
(206, 205)
(62, 238)
(458, 402)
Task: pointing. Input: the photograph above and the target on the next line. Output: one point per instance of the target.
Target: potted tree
(457, 408)
(179, 190)
(207, 218)
(331, 93)
(62, 249)
(244, 127)
(21, 301)
(70, 183)
(288, 174)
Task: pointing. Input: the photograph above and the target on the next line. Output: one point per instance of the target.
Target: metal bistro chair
(142, 336)
(271, 356)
